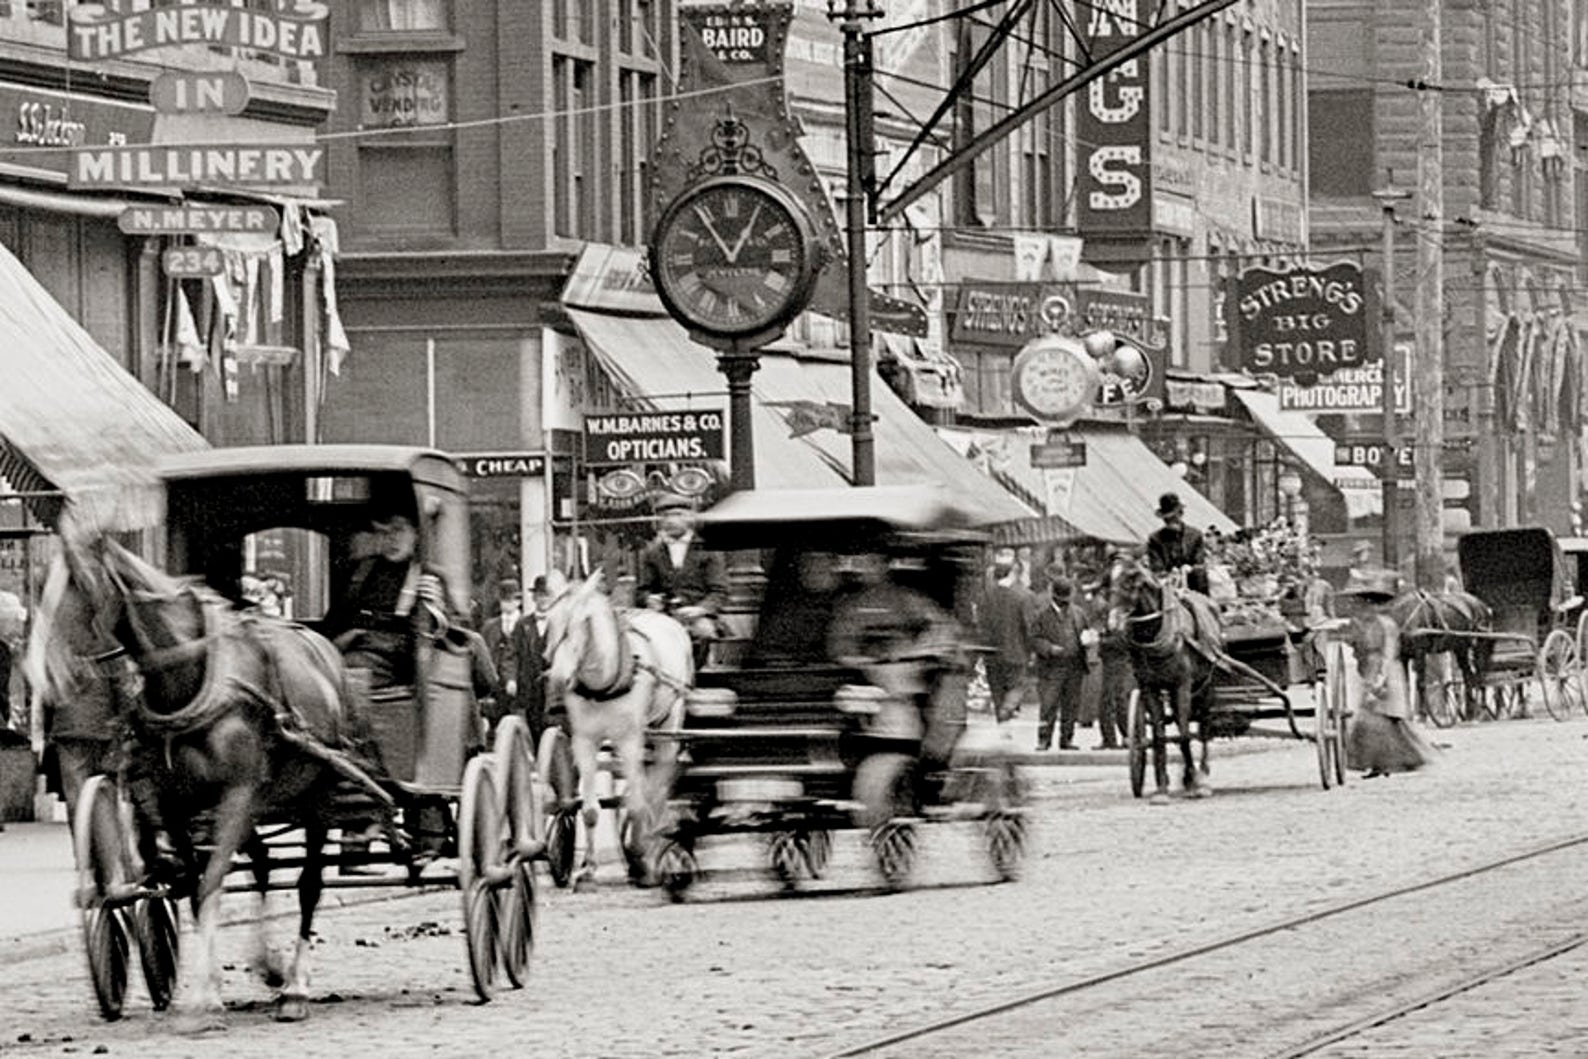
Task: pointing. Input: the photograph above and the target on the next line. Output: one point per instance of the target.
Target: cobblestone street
(740, 971)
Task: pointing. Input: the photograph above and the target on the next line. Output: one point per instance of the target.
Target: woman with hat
(1381, 738)
(1174, 545)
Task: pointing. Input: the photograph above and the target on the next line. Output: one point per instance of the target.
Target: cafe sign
(1302, 323)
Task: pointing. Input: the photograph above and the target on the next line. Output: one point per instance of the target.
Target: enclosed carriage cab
(300, 513)
(1521, 575)
(775, 721)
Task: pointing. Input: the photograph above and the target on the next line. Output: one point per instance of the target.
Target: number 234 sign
(192, 261)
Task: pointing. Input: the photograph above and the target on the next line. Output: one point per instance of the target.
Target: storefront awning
(653, 359)
(1306, 440)
(1113, 497)
(71, 418)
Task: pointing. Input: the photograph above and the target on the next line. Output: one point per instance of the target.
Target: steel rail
(1052, 992)
(1362, 1025)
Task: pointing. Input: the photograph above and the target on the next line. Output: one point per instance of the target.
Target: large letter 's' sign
(1113, 127)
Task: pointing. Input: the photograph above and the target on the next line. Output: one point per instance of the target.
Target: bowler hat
(507, 588)
(1062, 589)
(1375, 586)
(1170, 504)
(673, 502)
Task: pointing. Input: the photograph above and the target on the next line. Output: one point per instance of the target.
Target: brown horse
(227, 725)
(1433, 623)
(1173, 636)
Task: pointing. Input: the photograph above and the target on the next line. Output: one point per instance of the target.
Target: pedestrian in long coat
(1061, 662)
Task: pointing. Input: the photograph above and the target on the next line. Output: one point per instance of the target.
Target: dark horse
(1434, 623)
(238, 720)
(1174, 637)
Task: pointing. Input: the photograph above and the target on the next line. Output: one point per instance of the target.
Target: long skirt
(1376, 743)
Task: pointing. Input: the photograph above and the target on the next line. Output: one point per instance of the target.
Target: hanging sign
(97, 32)
(502, 464)
(214, 165)
(1302, 323)
(168, 220)
(1114, 183)
(187, 262)
(653, 437)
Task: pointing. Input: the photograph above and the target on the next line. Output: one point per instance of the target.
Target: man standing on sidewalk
(1004, 616)
(1060, 660)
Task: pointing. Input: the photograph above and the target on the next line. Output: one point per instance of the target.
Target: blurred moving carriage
(1536, 629)
(441, 794)
(781, 740)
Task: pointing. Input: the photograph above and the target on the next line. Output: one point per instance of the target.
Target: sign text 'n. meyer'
(1307, 321)
(160, 220)
(1113, 124)
(220, 165)
(96, 32)
(653, 437)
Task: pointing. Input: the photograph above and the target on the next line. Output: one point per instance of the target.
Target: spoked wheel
(481, 834)
(1558, 674)
(1005, 832)
(515, 770)
(104, 876)
(818, 851)
(1582, 656)
(785, 857)
(883, 786)
(155, 920)
(515, 917)
(1136, 742)
(1326, 710)
(1449, 705)
(554, 763)
(676, 868)
(1339, 704)
(633, 844)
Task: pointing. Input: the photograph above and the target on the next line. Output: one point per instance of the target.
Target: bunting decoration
(807, 417)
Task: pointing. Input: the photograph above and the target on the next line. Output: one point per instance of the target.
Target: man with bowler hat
(505, 640)
(1174, 545)
(1059, 644)
(678, 576)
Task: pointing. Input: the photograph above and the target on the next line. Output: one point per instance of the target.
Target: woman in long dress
(1381, 738)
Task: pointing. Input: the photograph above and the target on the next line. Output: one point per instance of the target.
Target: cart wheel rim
(1006, 844)
(515, 766)
(158, 948)
(562, 833)
(894, 847)
(480, 934)
(675, 869)
(109, 952)
(1135, 734)
(516, 913)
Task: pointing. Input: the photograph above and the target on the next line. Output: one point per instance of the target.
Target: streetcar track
(1053, 992)
(1357, 1027)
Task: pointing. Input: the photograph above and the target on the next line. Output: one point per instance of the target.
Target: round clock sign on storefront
(735, 257)
(1054, 379)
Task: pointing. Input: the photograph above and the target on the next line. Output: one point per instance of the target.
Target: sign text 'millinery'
(96, 32)
(223, 165)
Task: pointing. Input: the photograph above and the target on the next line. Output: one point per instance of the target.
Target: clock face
(1054, 379)
(732, 257)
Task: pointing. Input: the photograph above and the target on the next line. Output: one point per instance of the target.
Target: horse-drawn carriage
(786, 740)
(1533, 631)
(273, 750)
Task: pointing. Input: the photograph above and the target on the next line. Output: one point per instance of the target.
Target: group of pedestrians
(1056, 634)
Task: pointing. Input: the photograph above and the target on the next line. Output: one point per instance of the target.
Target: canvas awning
(1306, 440)
(653, 359)
(1113, 497)
(72, 419)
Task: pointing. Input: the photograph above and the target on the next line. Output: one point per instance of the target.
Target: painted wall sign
(653, 437)
(403, 93)
(164, 220)
(736, 36)
(1377, 458)
(1302, 323)
(1114, 124)
(97, 32)
(44, 118)
(1354, 390)
(998, 314)
(502, 464)
(225, 165)
(192, 92)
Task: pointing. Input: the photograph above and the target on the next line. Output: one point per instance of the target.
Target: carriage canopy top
(1511, 566)
(758, 517)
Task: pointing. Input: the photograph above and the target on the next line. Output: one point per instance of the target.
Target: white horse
(620, 676)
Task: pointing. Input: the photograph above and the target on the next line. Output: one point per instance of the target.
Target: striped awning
(73, 421)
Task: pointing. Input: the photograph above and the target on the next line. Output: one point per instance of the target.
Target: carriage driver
(1174, 545)
(678, 576)
(906, 644)
(371, 623)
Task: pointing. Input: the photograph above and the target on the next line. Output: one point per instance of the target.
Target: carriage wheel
(515, 916)
(554, 764)
(515, 768)
(1325, 710)
(1136, 742)
(1558, 673)
(155, 922)
(633, 848)
(1339, 714)
(785, 857)
(1582, 657)
(818, 848)
(883, 788)
(481, 833)
(676, 868)
(1450, 705)
(104, 869)
(894, 846)
(1006, 842)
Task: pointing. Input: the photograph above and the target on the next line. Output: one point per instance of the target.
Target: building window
(1340, 147)
(1248, 65)
(406, 178)
(1231, 80)
(1160, 89)
(1297, 114)
(573, 151)
(403, 16)
(573, 20)
(1281, 108)
(1199, 68)
(637, 91)
(637, 28)
(1265, 106)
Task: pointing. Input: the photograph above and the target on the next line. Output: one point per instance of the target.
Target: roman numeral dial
(734, 256)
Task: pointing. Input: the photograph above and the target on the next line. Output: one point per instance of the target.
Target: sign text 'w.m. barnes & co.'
(1304, 322)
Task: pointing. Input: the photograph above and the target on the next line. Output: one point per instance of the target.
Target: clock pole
(738, 364)
(859, 131)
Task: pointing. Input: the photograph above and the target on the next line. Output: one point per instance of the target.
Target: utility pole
(859, 131)
(1387, 197)
(1428, 394)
